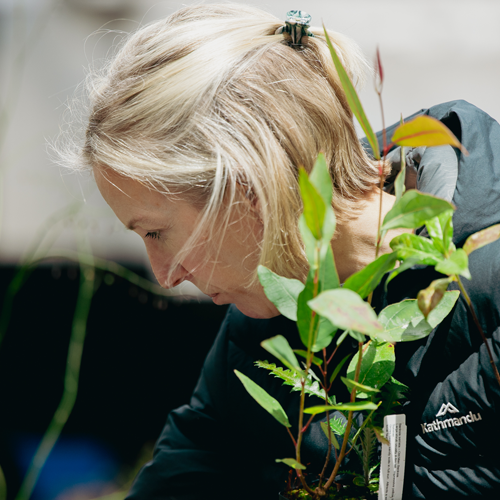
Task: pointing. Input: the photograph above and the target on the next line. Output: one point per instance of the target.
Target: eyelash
(153, 236)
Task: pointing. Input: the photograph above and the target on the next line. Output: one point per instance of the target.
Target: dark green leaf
(482, 238)
(291, 462)
(365, 281)
(325, 335)
(282, 292)
(314, 205)
(456, 263)
(315, 360)
(292, 379)
(280, 348)
(338, 368)
(324, 428)
(346, 310)
(264, 399)
(351, 384)
(306, 323)
(414, 209)
(357, 406)
(391, 396)
(377, 365)
(353, 99)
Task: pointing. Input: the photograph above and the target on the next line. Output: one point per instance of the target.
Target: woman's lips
(214, 297)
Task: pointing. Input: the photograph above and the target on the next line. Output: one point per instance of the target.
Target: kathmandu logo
(438, 425)
(446, 407)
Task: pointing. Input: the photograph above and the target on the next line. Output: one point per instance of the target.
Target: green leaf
(357, 406)
(353, 99)
(414, 209)
(405, 322)
(338, 368)
(351, 384)
(292, 379)
(306, 323)
(345, 309)
(322, 332)
(377, 365)
(440, 230)
(429, 298)
(324, 428)
(328, 277)
(358, 337)
(342, 337)
(391, 396)
(321, 180)
(302, 353)
(325, 335)
(280, 348)
(420, 250)
(314, 205)
(425, 131)
(482, 238)
(365, 281)
(291, 462)
(264, 399)
(282, 292)
(443, 308)
(338, 425)
(456, 263)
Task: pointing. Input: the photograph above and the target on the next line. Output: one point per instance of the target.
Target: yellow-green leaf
(425, 131)
(482, 238)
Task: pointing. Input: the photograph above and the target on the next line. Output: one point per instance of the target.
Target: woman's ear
(250, 199)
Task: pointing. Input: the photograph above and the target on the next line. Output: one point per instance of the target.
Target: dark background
(142, 356)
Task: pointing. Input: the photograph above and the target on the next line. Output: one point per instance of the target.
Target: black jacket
(224, 445)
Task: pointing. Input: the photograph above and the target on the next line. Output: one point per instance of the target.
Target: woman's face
(222, 272)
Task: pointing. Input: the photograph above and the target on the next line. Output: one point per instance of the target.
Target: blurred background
(134, 368)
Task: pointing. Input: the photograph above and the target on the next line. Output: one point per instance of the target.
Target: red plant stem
(478, 325)
(331, 479)
(331, 357)
(291, 435)
(308, 366)
(327, 390)
(308, 423)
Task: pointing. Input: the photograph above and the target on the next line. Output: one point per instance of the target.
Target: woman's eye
(153, 235)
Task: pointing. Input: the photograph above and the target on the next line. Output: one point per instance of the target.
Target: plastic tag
(392, 464)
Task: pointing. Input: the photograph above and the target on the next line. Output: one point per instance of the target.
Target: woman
(197, 130)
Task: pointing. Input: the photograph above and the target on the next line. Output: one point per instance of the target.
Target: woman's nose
(162, 269)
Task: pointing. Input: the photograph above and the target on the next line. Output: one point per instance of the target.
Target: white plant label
(392, 464)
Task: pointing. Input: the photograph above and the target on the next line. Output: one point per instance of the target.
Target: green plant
(327, 312)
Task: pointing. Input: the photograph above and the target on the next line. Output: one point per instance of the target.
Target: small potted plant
(328, 312)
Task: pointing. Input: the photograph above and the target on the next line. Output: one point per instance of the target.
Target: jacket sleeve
(187, 458)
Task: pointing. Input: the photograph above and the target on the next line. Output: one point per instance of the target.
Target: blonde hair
(210, 100)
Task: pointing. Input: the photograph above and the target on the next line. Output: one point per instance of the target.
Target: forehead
(132, 200)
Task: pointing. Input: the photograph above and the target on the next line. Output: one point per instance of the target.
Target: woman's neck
(354, 244)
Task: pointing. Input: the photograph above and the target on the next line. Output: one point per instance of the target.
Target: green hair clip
(296, 24)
